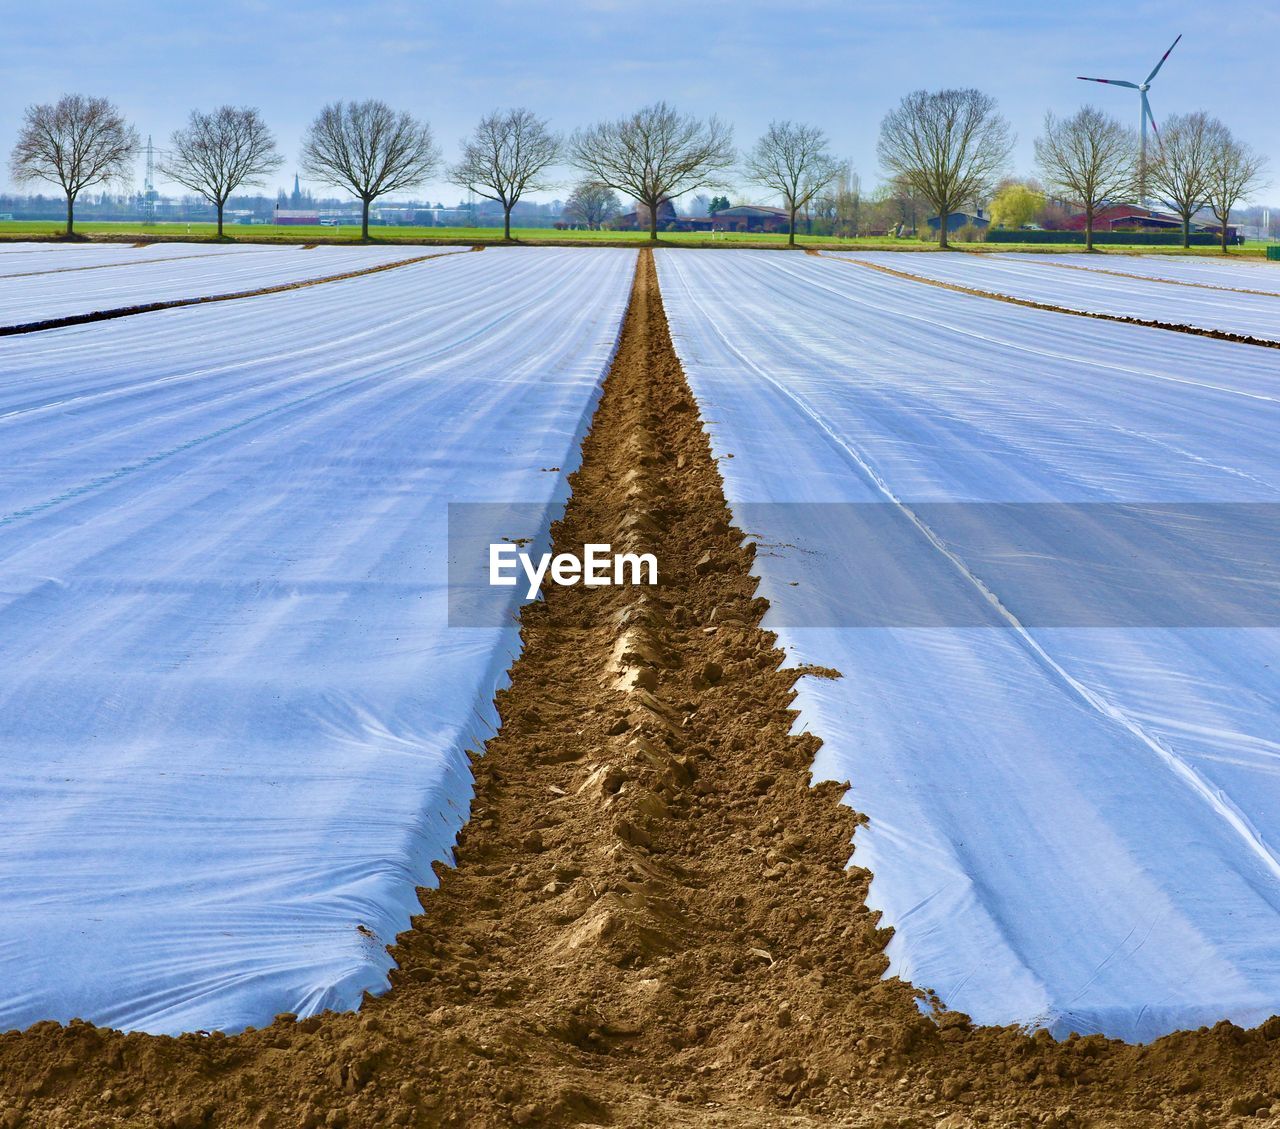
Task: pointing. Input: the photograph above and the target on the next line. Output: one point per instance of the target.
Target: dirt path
(651, 922)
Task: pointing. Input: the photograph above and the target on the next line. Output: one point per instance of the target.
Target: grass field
(270, 233)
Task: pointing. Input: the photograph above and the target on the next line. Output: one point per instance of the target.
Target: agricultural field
(232, 711)
(1238, 297)
(1019, 499)
(272, 233)
(1233, 273)
(14, 230)
(32, 289)
(933, 783)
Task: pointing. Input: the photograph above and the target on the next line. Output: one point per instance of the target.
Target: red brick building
(1134, 217)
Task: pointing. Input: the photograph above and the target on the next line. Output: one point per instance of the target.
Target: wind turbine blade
(1110, 82)
(1162, 59)
(1146, 109)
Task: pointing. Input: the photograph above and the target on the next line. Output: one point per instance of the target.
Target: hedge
(1134, 238)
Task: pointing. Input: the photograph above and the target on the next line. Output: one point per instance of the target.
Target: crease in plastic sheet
(1094, 289)
(233, 721)
(1070, 827)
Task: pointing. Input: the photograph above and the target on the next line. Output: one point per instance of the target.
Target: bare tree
(592, 203)
(370, 150)
(507, 156)
(896, 208)
(948, 145)
(1235, 171)
(655, 155)
(699, 206)
(217, 153)
(76, 142)
(1091, 159)
(840, 203)
(792, 160)
(1180, 173)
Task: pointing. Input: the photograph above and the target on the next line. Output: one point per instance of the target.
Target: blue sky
(840, 65)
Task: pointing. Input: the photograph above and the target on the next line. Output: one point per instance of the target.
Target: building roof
(1113, 214)
(746, 210)
(963, 217)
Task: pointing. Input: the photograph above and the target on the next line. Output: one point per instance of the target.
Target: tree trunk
(1186, 230)
(506, 222)
(942, 231)
(653, 222)
(791, 228)
(221, 205)
(1224, 235)
(364, 221)
(1088, 230)
(71, 215)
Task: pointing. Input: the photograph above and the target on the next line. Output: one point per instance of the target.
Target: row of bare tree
(1093, 159)
(949, 147)
(369, 149)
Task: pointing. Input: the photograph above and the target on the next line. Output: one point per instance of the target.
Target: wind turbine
(1141, 88)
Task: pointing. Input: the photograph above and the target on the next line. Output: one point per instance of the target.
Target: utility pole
(149, 186)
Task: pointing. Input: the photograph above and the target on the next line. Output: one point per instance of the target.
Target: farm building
(1134, 217)
(741, 217)
(957, 220)
(291, 217)
(638, 219)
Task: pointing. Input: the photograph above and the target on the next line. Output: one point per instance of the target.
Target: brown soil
(178, 303)
(1177, 327)
(651, 922)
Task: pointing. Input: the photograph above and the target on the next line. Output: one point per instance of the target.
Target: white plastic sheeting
(1070, 827)
(57, 292)
(1040, 279)
(232, 717)
(1231, 271)
(23, 258)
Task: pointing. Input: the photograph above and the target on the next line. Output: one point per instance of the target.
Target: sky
(839, 65)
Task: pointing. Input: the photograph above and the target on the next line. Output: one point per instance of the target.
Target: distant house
(957, 220)
(741, 217)
(638, 220)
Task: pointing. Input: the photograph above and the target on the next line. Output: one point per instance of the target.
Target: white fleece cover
(1105, 288)
(68, 281)
(233, 720)
(1070, 827)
